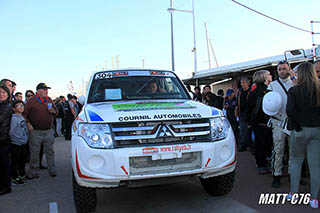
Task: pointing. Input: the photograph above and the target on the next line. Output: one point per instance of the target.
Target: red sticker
(150, 150)
(209, 159)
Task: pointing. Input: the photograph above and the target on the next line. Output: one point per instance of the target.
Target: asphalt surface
(48, 194)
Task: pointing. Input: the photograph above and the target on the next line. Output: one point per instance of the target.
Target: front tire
(219, 185)
(85, 199)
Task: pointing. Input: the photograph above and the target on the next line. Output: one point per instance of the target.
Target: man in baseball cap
(229, 92)
(39, 112)
(43, 86)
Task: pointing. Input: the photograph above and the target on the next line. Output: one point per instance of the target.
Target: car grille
(164, 132)
(146, 165)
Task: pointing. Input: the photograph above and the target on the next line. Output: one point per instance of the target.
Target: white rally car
(141, 127)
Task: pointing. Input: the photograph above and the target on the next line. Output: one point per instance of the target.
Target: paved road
(46, 191)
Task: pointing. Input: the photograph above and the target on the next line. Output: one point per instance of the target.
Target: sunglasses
(19, 106)
(29, 96)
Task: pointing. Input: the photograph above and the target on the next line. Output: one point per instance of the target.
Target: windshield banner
(150, 106)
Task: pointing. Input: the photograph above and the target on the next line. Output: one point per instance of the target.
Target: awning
(210, 76)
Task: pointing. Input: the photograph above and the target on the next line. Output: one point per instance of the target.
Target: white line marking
(53, 207)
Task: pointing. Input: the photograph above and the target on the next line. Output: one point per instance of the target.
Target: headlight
(219, 128)
(96, 135)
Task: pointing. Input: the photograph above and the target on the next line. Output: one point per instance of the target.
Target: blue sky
(62, 40)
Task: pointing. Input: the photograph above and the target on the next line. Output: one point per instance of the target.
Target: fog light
(225, 152)
(96, 162)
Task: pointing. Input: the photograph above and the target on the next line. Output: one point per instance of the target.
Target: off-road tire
(85, 199)
(219, 185)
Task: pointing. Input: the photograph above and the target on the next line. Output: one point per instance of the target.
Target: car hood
(132, 111)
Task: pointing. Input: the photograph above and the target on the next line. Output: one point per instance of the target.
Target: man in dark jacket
(60, 116)
(70, 116)
(241, 111)
(214, 100)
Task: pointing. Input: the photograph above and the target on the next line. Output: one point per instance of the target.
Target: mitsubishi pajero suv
(140, 127)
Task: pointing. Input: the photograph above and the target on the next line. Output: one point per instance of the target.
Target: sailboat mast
(209, 59)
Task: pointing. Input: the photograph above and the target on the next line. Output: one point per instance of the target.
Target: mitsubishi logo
(165, 131)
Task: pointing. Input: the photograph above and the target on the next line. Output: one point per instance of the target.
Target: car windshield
(123, 86)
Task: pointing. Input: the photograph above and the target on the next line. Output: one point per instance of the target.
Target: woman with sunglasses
(29, 94)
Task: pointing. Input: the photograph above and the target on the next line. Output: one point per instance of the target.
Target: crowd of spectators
(27, 131)
(278, 121)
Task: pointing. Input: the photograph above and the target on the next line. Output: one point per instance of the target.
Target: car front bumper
(105, 168)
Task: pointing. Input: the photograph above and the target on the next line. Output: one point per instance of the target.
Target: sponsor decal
(157, 73)
(214, 112)
(159, 117)
(178, 148)
(149, 150)
(108, 74)
(175, 148)
(94, 116)
(141, 106)
(161, 73)
(282, 198)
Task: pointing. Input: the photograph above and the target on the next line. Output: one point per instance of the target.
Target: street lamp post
(194, 50)
(194, 39)
(172, 41)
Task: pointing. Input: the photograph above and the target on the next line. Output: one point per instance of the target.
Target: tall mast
(209, 59)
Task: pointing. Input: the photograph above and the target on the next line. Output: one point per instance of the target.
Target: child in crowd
(19, 138)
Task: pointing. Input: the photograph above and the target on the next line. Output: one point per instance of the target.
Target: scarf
(42, 100)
